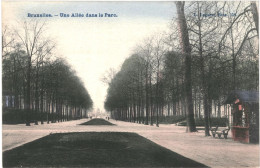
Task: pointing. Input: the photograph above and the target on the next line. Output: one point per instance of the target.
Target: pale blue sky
(163, 10)
(93, 45)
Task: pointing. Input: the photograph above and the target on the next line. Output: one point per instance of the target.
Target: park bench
(213, 131)
(223, 131)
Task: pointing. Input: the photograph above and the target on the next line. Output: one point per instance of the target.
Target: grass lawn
(97, 121)
(94, 149)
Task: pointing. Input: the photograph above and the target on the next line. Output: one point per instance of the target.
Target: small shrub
(221, 122)
(18, 116)
(171, 119)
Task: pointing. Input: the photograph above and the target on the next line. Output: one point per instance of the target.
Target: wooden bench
(213, 131)
(222, 131)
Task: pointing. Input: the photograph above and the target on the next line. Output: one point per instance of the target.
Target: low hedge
(171, 119)
(164, 119)
(18, 116)
(221, 122)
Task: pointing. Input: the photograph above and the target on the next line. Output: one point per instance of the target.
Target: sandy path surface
(210, 151)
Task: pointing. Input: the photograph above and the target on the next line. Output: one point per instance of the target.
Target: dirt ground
(213, 152)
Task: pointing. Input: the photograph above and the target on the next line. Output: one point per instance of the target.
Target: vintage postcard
(130, 83)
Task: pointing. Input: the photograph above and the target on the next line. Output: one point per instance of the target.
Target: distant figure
(108, 118)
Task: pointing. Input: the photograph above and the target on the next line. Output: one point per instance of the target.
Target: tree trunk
(52, 111)
(195, 102)
(67, 112)
(186, 49)
(151, 98)
(146, 97)
(41, 105)
(219, 109)
(157, 97)
(28, 91)
(210, 111)
(168, 107)
(206, 115)
(255, 15)
(48, 113)
(36, 95)
(199, 107)
(204, 83)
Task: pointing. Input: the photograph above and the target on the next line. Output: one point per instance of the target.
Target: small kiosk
(245, 115)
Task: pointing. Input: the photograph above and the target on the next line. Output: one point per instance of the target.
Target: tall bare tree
(186, 49)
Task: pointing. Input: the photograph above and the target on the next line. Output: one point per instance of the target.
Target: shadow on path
(94, 149)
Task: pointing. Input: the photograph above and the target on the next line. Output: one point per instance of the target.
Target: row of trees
(184, 71)
(36, 80)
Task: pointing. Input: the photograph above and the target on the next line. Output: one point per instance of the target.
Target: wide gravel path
(213, 152)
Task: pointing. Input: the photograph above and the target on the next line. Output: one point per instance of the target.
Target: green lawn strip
(94, 149)
(97, 121)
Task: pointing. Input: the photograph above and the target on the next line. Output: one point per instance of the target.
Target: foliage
(35, 79)
(171, 119)
(221, 122)
(18, 116)
(224, 57)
